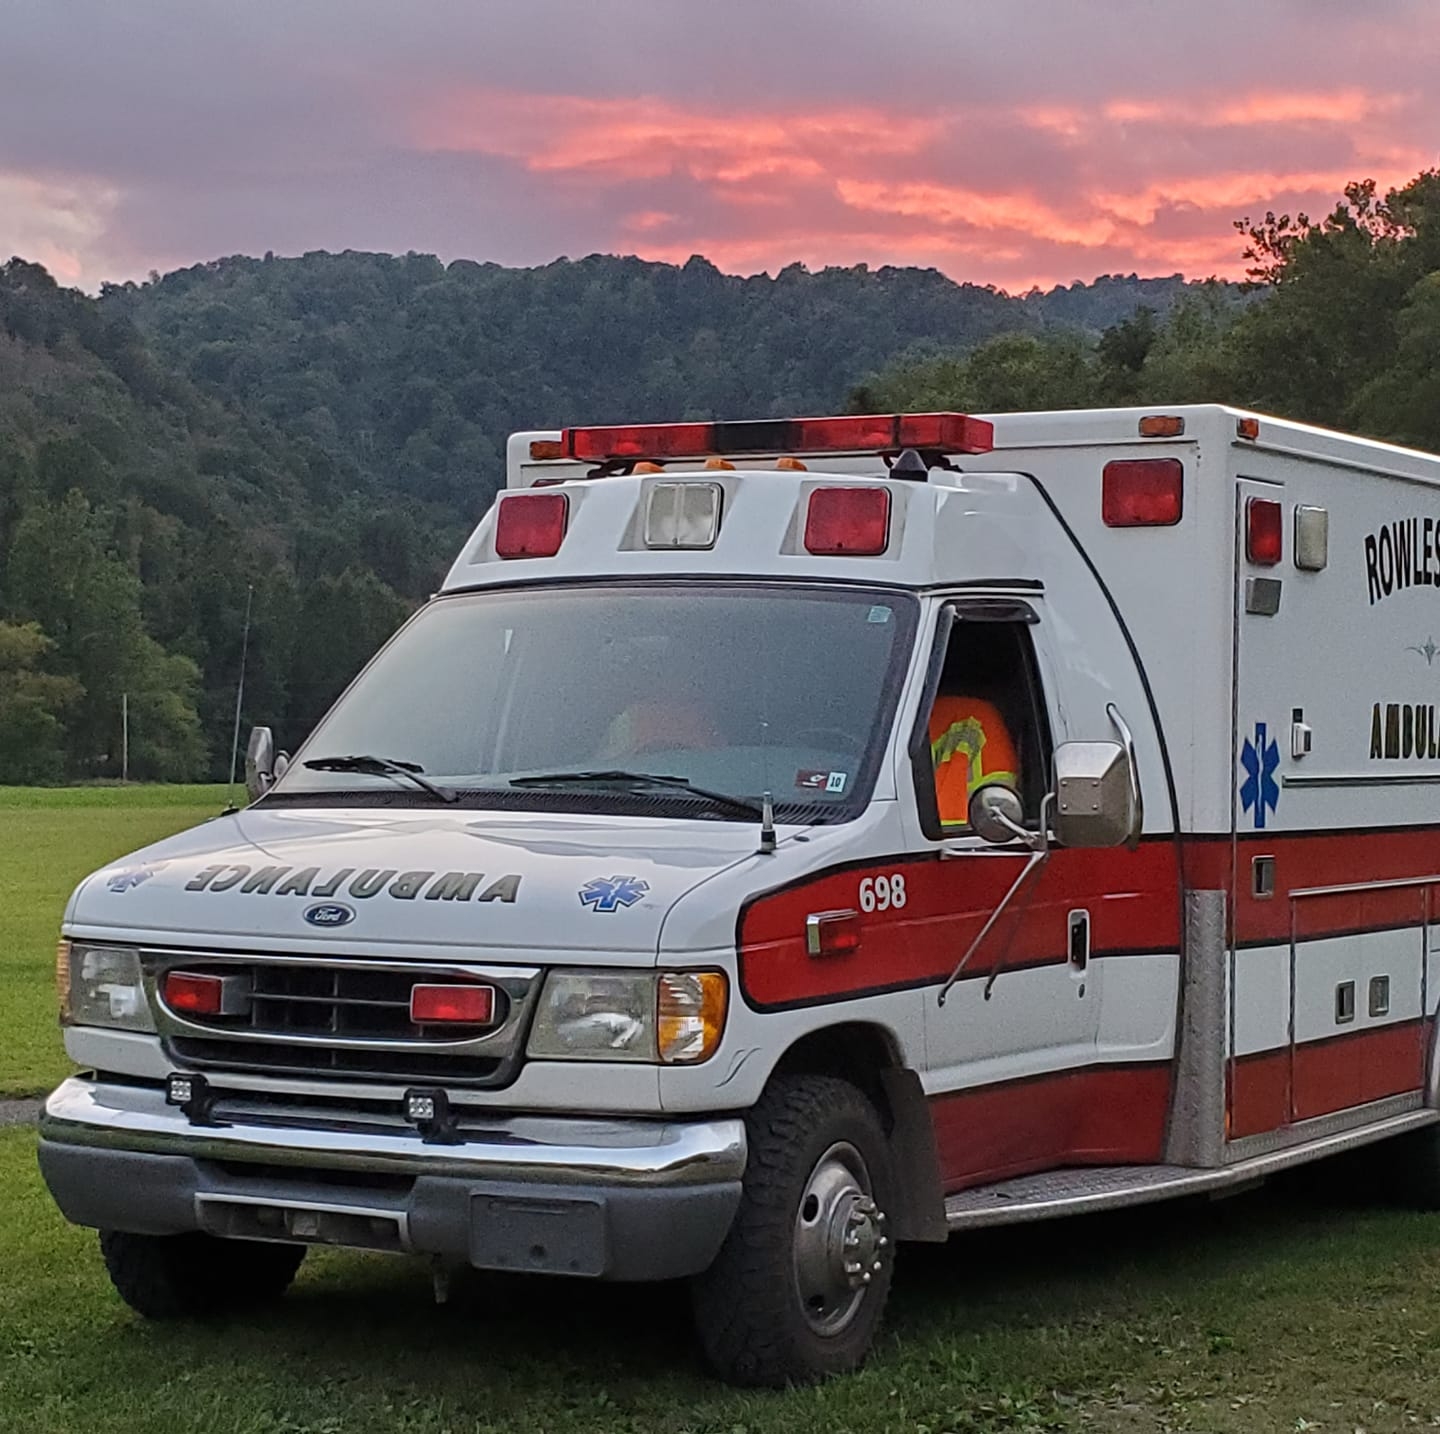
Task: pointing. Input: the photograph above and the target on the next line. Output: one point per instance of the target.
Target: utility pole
(124, 736)
(240, 685)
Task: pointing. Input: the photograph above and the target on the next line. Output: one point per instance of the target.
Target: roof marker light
(1162, 425)
(848, 522)
(531, 525)
(1142, 492)
(544, 449)
(787, 464)
(1247, 428)
(1264, 531)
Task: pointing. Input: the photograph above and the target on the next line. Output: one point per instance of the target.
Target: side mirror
(260, 763)
(1096, 799)
(996, 814)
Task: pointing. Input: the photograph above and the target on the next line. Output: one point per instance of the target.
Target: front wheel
(799, 1286)
(175, 1276)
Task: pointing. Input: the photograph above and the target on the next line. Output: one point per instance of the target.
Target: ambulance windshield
(731, 690)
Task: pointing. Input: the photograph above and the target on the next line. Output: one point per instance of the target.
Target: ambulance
(612, 925)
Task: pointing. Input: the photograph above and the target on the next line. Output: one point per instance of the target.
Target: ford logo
(329, 913)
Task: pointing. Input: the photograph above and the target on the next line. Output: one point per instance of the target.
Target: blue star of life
(609, 893)
(1260, 792)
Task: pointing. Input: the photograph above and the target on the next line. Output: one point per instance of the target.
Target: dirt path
(19, 1112)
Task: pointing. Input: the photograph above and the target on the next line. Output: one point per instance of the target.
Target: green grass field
(1282, 1310)
(49, 840)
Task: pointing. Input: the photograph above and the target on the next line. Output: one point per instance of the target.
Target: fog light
(180, 1089)
(429, 1112)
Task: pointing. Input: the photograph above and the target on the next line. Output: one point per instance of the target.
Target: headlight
(104, 988)
(674, 1017)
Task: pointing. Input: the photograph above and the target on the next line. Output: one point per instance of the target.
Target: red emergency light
(194, 993)
(1142, 492)
(848, 522)
(452, 1005)
(850, 433)
(1264, 531)
(531, 525)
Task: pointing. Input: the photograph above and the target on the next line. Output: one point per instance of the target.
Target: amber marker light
(690, 1015)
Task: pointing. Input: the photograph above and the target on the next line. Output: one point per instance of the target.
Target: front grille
(352, 1003)
(344, 1018)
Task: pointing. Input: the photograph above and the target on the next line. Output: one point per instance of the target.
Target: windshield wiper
(617, 777)
(384, 767)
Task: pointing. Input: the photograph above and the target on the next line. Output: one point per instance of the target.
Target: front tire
(798, 1289)
(195, 1275)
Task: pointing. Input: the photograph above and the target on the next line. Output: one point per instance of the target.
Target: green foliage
(1343, 330)
(33, 706)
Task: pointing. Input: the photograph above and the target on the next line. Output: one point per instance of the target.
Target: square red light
(194, 994)
(1142, 492)
(1264, 531)
(452, 1005)
(531, 525)
(848, 522)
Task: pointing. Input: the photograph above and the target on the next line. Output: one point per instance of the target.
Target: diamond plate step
(1111, 1187)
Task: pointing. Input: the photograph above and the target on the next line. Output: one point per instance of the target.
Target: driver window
(986, 722)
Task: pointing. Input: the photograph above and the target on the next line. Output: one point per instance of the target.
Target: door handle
(1079, 943)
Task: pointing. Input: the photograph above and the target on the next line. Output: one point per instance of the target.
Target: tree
(33, 706)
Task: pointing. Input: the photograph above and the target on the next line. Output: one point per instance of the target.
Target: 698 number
(882, 893)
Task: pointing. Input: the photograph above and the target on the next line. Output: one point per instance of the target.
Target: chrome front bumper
(635, 1199)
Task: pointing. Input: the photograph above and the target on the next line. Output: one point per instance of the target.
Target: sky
(1007, 142)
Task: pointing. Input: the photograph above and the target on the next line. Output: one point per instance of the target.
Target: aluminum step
(1112, 1187)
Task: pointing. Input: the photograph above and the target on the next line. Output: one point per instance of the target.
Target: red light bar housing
(850, 433)
(452, 1005)
(531, 525)
(848, 522)
(1142, 492)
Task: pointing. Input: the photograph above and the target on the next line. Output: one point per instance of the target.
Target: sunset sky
(1005, 142)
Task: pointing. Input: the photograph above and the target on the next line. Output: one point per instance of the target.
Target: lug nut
(883, 1241)
(865, 1278)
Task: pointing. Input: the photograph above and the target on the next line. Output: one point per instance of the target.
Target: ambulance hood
(507, 885)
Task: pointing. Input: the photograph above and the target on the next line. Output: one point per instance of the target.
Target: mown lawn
(49, 840)
(1274, 1311)
(1282, 1310)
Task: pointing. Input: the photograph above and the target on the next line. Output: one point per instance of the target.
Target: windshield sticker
(128, 878)
(399, 885)
(832, 782)
(609, 893)
(878, 614)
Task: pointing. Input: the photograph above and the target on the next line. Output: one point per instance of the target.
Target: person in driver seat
(970, 745)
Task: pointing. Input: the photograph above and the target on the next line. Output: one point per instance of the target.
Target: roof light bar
(850, 433)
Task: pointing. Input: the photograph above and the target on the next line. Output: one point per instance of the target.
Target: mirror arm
(1137, 803)
(1039, 844)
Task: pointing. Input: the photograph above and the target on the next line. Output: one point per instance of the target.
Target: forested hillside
(323, 430)
(416, 372)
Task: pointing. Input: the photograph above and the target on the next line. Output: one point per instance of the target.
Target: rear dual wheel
(799, 1287)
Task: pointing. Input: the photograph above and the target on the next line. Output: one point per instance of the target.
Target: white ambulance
(610, 924)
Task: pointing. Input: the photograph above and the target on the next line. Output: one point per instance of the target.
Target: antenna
(240, 691)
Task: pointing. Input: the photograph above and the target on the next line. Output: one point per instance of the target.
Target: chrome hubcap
(840, 1239)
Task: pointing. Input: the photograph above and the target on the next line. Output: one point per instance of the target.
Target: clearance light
(452, 1005)
(1247, 428)
(1264, 531)
(1162, 425)
(543, 449)
(832, 933)
(531, 525)
(1142, 492)
(864, 433)
(848, 522)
